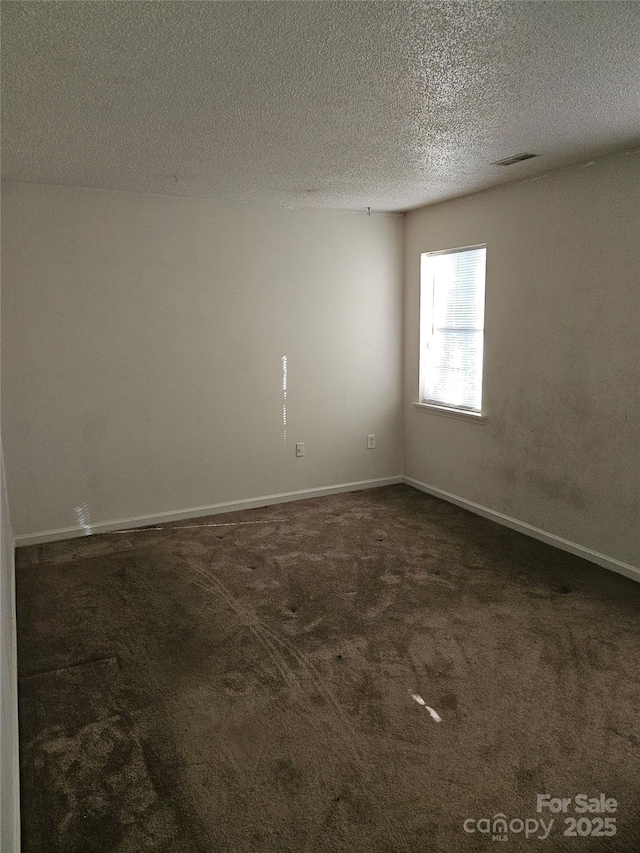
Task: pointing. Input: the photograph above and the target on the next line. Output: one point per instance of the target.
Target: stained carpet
(362, 672)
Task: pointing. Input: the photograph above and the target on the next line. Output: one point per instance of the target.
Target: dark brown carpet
(246, 685)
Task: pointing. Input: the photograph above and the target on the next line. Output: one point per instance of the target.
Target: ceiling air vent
(509, 161)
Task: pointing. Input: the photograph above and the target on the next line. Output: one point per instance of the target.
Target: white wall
(143, 339)
(560, 448)
(9, 761)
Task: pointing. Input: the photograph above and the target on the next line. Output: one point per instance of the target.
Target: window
(452, 328)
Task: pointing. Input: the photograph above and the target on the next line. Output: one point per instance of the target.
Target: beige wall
(560, 448)
(144, 336)
(143, 339)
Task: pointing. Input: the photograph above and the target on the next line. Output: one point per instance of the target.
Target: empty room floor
(362, 672)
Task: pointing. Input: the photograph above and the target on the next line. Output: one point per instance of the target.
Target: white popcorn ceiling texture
(339, 105)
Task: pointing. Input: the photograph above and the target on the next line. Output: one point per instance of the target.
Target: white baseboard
(625, 569)
(196, 512)
(606, 562)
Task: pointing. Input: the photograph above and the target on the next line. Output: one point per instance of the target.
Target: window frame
(424, 403)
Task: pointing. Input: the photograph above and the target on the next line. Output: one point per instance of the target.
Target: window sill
(451, 413)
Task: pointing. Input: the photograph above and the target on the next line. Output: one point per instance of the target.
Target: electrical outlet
(300, 448)
(371, 442)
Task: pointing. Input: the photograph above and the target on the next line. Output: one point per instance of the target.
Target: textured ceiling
(348, 105)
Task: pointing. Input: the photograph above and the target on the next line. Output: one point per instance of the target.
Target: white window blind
(452, 328)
